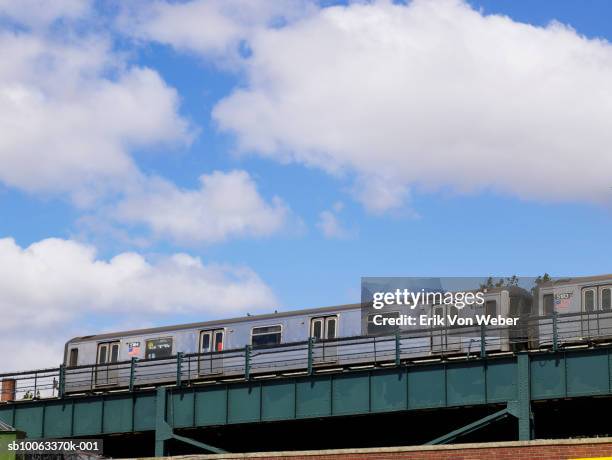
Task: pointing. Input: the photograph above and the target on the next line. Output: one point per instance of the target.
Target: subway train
(339, 336)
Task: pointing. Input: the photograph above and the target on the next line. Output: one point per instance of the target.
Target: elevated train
(339, 336)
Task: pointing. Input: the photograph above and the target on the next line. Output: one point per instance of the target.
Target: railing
(311, 356)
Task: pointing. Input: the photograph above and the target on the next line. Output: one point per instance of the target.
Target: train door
(589, 323)
(522, 335)
(106, 369)
(444, 338)
(211, 344)
(605, 296)
(323, 328)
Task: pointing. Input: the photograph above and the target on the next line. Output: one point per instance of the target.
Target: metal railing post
(310, 345)
(61, 387)
(133, 373)
(189, 371)
(555, 332)
(179, 366)
(374, 341)
(247, 362)
(397, 348)
(483, 341)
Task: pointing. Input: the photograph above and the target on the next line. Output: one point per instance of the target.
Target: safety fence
(313, 356)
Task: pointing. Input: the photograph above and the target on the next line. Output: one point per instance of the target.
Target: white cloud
(41, 13)
(329, 224)
(50, 288)
(433, 95)
(379, 194)
(226, 205)
(71, 110)
(215, 28)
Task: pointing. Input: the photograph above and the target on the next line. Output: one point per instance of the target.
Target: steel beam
(201, 445)
(471, 427)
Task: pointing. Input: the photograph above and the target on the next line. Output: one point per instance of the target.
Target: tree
(542, 279)
(545, 278)
(501, 282)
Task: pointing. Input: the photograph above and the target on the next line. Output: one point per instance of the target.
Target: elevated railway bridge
(542, 392)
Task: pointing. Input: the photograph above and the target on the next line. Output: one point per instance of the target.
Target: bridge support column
(523, 404)
(164, 432)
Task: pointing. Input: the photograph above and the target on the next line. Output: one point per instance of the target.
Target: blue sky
(339, 192)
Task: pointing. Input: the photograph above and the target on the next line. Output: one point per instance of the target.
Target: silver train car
(583, 307)
(275, 342)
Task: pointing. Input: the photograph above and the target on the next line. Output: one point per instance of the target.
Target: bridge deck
(519, 379)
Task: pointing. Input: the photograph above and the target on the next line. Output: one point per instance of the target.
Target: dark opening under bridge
(506, 384)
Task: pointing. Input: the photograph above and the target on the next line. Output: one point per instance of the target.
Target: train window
(330, 327)
(205, 342)
(266, 335)
(219, 341)
(453, 311)
(606, 299)
(316, 328)
(102, 354)
(491, 308)
(514, 306)
(114, 355)
(526, 305)
(158, 348)
(549, 304)
(589, 300)
(74, 357)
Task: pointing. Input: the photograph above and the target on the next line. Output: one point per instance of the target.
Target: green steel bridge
(505, 384)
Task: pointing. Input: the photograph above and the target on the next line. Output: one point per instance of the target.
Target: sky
(172, 161)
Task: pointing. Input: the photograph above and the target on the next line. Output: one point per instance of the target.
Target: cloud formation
(52, 286)
(329, 224)
(212, 28)
(226, 205)
(71, 112)
(42, 13)
(432, 95)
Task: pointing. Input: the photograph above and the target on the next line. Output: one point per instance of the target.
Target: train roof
(241, 319)
(577, 279)
(498, 289)
(217, 322)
